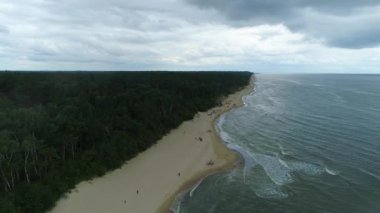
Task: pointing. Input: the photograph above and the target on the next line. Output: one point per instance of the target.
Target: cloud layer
(347, 24)
(296, 36)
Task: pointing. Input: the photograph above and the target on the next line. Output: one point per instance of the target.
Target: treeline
(59, 128)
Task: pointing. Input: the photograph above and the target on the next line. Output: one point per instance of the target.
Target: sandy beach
(149, 182)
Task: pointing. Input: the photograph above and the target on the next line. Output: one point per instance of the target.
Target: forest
(60, 128)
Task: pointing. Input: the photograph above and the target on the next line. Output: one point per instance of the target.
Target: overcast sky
(258, 35)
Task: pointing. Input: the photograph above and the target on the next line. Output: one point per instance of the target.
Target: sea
(308, 143)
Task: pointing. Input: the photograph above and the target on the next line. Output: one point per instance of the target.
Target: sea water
(310, 143)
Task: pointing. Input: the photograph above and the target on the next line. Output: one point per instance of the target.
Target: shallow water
(311, 143)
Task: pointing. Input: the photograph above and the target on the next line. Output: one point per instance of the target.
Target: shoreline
(218, 144)
(151, 181)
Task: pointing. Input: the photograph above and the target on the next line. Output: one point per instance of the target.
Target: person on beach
(179, 173)
(137, 191)
(210, 163)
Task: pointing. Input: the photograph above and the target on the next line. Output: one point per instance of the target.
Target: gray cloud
(171, 34)
(278, 10)
(4, 29)
(346, 24)
(113, 33)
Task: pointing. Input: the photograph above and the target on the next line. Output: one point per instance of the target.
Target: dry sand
(149, 182)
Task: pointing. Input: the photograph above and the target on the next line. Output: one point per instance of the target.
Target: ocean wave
(249, 160)
(176, 206)
(332, 171)
(195, 187)
(285, 152)
(225, 137)
(284, 163)
(219, 129)
(276, 171)
(306, 168)
(220, 122)
(270, 192)
(373, 175)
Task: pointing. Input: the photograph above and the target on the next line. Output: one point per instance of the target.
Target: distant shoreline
(151, 181)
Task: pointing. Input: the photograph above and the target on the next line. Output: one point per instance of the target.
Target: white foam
(331, 171)
(306, 168)
(283, 151)
(276, 171)
(195, 187)
(176, 207)
(283, 163)
(225, 137)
